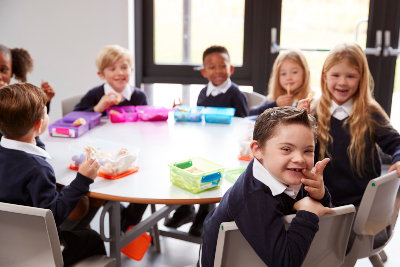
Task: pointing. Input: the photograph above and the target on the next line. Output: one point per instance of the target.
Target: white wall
(63, 38)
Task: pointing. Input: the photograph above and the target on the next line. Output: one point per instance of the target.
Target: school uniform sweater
(259, 217)
(29, 180)
(343, 182)
(90, 100)
(261, 108)
(233, 98)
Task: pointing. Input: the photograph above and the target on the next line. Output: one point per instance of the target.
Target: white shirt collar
(126, 93)
(220, 89)
(343, 111)
(25, 147)
(276, 186)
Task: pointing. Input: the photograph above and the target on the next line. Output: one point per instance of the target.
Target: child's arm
(284, 100)
(240, 105)
(260, 220)
(41, 190)
(48, 90)
(105, 102)
(314, 185)
(261, 108)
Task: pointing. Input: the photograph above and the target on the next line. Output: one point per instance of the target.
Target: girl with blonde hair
(350, 124)
(289, 81)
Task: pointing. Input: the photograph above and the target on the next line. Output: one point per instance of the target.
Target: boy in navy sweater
(114, 64)
(219, 92)
(26, 178)
(273, 185)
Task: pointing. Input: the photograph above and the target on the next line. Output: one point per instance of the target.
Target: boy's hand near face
(48, 90)
(315, 182)
(284, 100)
(312, 205)
(106, 101)
(89, 168)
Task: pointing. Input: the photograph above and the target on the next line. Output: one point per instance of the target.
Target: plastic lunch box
(211, 177)
(186, 113)
(93, 118)
(233, 174)
(153, 113)
(65, 128)
(219, 115)
(126, 114)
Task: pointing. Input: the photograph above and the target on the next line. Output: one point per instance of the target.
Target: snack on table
(311, 95)
(113, 111)
(78, 122)
(111, 164)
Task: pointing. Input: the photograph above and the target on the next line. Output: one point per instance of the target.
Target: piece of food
(191, 169)
(113, 111)
(310, 96)
(78, 122)
(288, 89)
(119, 98)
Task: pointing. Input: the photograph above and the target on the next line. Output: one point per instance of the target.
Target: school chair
(254, 99)
(68, 104)
(327, 249)
(29, 238)
(378, 210)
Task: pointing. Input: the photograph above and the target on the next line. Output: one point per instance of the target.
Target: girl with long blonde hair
(289, 81)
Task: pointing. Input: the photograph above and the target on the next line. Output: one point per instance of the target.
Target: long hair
(274, 87)
(360, 121)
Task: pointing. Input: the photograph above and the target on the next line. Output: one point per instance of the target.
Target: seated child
(273, 185)
(28, 179)
(221, 91)
(289, 82)
(18, 63)
(114, 64)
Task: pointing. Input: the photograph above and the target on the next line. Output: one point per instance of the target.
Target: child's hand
(3, 83)
(284, 100)
(315, 182)
(304, 103)
(394, 167)
(89, 168)
(106, 101)
(312, 205)
(48, 90)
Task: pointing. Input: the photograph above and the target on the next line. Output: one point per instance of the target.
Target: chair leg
(156, 232)
(383, 256)
(376, 261)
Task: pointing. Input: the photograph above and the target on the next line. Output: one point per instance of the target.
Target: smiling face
(117, 75)
(5, 68)
(286, 154)
(217, 68)
(291, 73)
(342, 81)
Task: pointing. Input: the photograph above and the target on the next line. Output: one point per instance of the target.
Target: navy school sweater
(29, 180)
(233, 98)
(94, 95)
(343, 182)
(259, 217)
(261, 108)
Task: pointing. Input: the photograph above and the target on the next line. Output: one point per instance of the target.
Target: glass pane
(212, 22)
(322, 24)
(395, 113)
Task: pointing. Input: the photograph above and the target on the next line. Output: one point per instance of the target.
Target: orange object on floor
(138, 247)
(129, 171)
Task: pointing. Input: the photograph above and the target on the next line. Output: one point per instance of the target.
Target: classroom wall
(63, 38)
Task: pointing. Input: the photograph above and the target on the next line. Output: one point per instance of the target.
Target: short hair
(268, 122)
(21, 106)
(215, 49)
(21, 62)
(110, 54)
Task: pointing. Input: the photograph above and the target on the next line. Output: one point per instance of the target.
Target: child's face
(5, 68)
(287, 153)
(291, 73)
(342, 81)
(117, 75)
(217, 68)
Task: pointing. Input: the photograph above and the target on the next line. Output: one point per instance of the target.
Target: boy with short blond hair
(276, 182)
(26, 178)
(114, 64)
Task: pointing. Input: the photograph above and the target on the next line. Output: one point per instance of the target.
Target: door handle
(388, 50)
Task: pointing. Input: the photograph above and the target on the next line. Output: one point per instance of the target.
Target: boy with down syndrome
(277, 182)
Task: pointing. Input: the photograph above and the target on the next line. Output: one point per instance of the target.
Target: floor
(176, 253)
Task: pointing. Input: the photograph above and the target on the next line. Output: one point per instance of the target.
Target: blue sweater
(27, 179)
(261, 108)
(344, 184)
(233, 98)
(94, 95)
(259, 217)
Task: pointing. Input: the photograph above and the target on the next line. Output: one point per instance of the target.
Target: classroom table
(160, 143)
